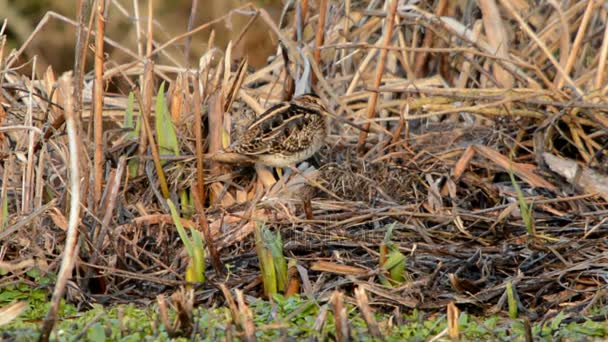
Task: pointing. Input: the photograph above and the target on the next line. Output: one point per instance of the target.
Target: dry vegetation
(485, 149)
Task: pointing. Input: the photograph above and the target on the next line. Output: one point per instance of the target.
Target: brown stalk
(147, 90)
(214, 118)
(371, 108)
(198, 133)
(69, 256)
(206, 25)
(320, 36)
(582, 29)
(303, 14)
(28, 184)
(293, 285)
(204, 227)
(526, 28)
(453, 314)
(495, 29)
(245, 318)
(422, 57)
(177, 94)
(98, 94)
(163, 312)
(340, 317)
(107, 208)
(601, 68)
(7, 165)
(191, 18)
(564, 39)
(82, 42)
(368, 315)
(150, 30)
(234, 311)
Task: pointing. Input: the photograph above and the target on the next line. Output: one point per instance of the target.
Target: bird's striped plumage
(286, 133)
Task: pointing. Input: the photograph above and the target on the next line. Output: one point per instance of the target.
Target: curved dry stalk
(69, 256)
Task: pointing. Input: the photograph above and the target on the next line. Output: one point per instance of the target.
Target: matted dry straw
(454, 96)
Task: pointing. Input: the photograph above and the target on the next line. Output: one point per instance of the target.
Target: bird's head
(310, 100)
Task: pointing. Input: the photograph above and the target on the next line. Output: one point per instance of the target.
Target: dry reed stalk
(245, 318)
(601, 68)
(405, 61)
(368, 315)
(582, 29)
(230, 303)
(320, 36)
(340, 317)
(421, 58)
(497, 37)
(150, 52)
(70, 250)
(209, 242)
(564, 40)
(191, 18)
(453, 315)
(371, 109)
(526, 28)
(28, 177)
(198, 135)
(98, 94)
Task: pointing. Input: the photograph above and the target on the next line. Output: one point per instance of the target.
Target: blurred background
(55, 44)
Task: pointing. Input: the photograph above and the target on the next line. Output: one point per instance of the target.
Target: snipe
(287, 133)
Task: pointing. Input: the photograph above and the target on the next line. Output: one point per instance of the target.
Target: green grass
(296, 317)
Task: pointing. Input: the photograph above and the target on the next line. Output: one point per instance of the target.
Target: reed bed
(483, 147)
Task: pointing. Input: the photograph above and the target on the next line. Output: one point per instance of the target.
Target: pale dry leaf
(583, 177)
(11, 312)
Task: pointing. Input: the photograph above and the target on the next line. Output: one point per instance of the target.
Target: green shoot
(511, 302)
(392, 260)
(524, 207)
(167, 138)
(134, 134)
(195, 271)
(273, 264)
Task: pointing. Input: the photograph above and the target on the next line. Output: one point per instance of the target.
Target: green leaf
(397, 272)
(389, 234)
(134, 134)
(4, 212)
(128, 122)
(195, 271)
(167, 138)
(273, 265)
(275, 244)
(180, 229)
(511, 302)
(526, 210)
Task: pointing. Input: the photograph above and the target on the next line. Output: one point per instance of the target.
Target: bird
(285, 134)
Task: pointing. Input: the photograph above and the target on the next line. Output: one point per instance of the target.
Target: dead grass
(455, 98)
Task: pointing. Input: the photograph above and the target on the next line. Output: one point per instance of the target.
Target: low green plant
(273, 264)
(134, 133)
(392, 261)
(511, 301)
(526, 209)
(195, 271)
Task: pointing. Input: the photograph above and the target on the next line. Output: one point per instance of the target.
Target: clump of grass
(392, 261)
(167, 137)
(273, 264)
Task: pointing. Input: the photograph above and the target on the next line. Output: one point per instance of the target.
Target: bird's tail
(230, 158)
